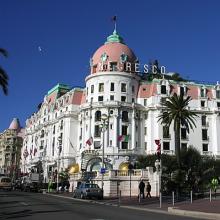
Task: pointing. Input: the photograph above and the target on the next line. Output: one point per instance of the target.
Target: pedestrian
(214, 185)
(148, 189)
(141, 189)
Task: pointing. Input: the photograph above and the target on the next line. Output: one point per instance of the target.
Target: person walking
(148, 189)
(141, 188)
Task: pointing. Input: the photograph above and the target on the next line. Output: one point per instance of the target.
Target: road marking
(23, 203)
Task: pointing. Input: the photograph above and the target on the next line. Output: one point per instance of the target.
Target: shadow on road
(25, 213)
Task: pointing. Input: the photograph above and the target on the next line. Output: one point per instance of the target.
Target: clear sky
(184, 35)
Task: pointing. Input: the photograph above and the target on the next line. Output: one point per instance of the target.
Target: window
(166, 132)
(132, 100)
(54, 129)
(124, 145)
(205, 147)
(92, 88)
(203, 120)
(202, 104)
(53, 144)
(123, 87)
(61, 125)
(202, 92)
(42, 134)
(218, 94)
(132, 89)
(182, 91)
(98, 116)
(145, 145)
(183, 133)
(112, 88)
(101, 87)
(97, 145)
(163, 89)
(145, 130)
(123, 98)
(166, 145)
(113, 66)
(100, 98)
(184, 146)
(204, 134)
(145, 102)
(110, 143)
(97, 131)
(124, 129)
(111, 126)
(145, 116)
(91, 100)
(124, 116)
(218, 104)
(111, 97)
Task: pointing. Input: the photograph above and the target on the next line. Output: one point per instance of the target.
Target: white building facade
(65, 132)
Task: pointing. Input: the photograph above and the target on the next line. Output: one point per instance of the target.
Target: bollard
(119, 199)
(191, 196)
(173, 198)
(160, 199)
(210, 195)
(139, 198)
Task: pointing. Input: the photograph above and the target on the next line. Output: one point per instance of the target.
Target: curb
(110, 204)
(194, 214)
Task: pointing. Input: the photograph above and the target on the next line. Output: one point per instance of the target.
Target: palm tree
(3, 74)
(175, 110)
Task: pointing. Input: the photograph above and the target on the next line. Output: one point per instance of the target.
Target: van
(5, 183)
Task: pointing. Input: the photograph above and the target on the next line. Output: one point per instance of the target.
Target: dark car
(88, 190)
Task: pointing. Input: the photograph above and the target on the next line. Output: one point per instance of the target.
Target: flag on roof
(25, 154)
(124, 138)
(35, 151)
(89, 141)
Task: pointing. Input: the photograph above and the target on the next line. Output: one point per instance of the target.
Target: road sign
(102, 171)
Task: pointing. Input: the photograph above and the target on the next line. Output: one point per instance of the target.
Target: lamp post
(104, 126)
(58, 159)
(158, 166)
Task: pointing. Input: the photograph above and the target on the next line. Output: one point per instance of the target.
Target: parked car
(88, 190)
(5, 183)
(30, 183)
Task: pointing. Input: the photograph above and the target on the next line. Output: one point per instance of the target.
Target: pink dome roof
(15, 124)
(113, 51)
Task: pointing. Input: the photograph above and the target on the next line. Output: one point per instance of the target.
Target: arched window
(98, 116)
(125, 116)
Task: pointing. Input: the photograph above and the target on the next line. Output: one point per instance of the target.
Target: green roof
(58, 87)
(115, 37)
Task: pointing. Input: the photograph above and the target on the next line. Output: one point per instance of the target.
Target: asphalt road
(28, 206)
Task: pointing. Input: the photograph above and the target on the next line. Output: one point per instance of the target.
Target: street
(25, 205)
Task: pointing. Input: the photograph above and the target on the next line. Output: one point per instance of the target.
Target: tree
(175, 110)
(3, 74)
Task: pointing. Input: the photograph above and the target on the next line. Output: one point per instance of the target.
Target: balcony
(205, 124)
(205, 138)
(166, 137)
(185, 138)
(207, 153)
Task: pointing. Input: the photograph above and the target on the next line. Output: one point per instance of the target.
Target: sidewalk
(201, 208)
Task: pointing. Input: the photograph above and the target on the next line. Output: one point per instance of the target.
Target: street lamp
(158, 166)
(104, 126)
(58, 159)
(130, 170)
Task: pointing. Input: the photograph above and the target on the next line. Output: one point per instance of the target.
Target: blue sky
(182, 35)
